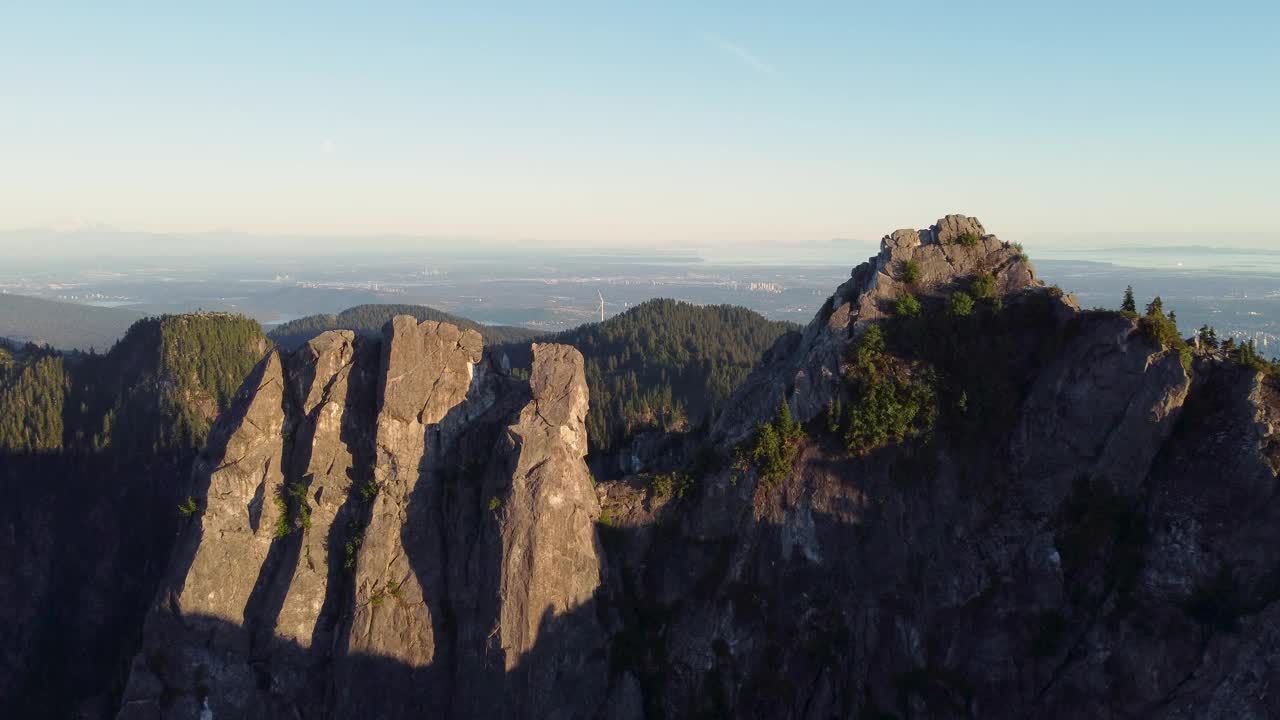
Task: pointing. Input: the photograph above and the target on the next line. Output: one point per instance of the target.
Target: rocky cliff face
(1068, 521)
(1091, 539)
(386, 529)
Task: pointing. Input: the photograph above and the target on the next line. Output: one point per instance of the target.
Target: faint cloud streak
(743, 55)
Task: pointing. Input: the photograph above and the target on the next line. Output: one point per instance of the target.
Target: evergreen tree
(1162, 331)
(1248, 353)
(1208, 336)
(787, 426)
(32, 405)
(1129, 305)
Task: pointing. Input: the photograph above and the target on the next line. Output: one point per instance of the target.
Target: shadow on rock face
(397, 690)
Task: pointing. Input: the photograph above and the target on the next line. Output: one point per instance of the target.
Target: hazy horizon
(109, 243)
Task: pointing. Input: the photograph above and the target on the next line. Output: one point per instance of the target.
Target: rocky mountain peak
(944, 232)
(929, 264)
(428, 369)
(559, 386)
(939, 259)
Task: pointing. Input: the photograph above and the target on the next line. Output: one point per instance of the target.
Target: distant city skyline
(663, 125)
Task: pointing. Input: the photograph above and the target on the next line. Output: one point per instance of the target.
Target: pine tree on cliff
(1208, 336)
(1129, 305)
(788, 428)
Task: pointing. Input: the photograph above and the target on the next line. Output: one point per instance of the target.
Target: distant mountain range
(61, 325)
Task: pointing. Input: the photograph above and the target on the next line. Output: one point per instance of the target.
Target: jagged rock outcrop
(316, 578)
(548, 519)
(526, 588)
(239, 509)
(222, 560)
(810, 371)
(427, 371)
(1103, 409)
(333, 458)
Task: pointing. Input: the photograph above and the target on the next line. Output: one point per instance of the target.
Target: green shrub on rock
(188, 508)
(983, 286)
(774, 447)
(960, 304)
(671, 484)
(909, 272)
(907, 306)
(892, 399)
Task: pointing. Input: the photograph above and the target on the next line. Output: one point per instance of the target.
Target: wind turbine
(601, 305)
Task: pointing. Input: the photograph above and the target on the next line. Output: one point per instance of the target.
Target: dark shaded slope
(95, 458)
(86, 539)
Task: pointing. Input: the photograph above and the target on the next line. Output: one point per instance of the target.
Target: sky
(655, 124)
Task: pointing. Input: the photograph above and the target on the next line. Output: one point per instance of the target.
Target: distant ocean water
(1187, 257)
(1230, 260)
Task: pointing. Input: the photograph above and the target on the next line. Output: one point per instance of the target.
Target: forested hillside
(369, 319)
(159, 388)
(65, 326)
(33, 390)
(664, 364)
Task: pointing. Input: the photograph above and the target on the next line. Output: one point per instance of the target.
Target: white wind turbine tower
(601, 305)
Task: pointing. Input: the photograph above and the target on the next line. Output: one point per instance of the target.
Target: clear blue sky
(655, 123)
